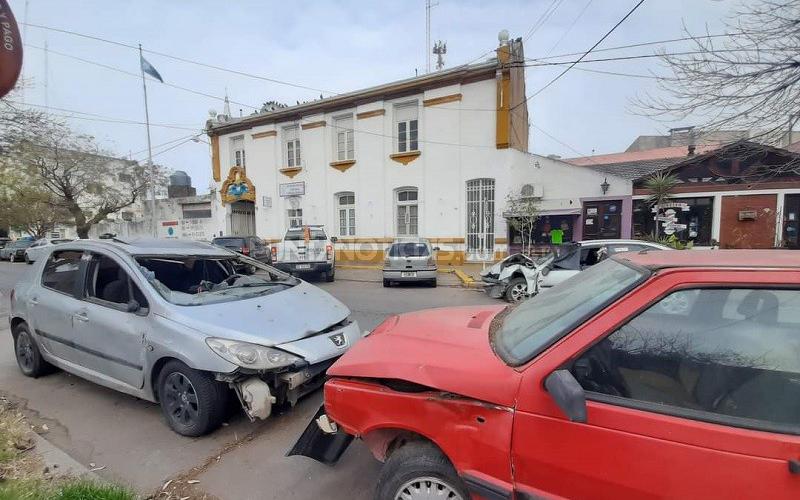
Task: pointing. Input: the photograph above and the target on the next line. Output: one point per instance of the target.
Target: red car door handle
(794, 466)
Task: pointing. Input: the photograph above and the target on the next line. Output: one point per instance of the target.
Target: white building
(434, 156)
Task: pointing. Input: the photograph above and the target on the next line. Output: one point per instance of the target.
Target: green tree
(660, 185)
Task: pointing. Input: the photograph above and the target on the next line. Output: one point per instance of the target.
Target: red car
(657, 374)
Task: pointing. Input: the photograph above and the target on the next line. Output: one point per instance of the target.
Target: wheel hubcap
(181, 399)
(25, 351)
(427, 488)
(518, 292)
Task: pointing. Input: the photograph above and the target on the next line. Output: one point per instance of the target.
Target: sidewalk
(466, 275)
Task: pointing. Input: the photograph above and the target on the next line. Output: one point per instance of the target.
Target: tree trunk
(83, 231)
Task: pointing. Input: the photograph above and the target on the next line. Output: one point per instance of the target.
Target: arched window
(407, 209)
(346, 209)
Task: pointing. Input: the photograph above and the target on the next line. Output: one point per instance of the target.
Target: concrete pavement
(242, 460)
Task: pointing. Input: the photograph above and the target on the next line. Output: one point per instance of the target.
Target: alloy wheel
(24, 349)
(518, 292)
(427, 488)
(181, 399)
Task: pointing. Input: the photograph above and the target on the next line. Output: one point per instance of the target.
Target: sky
(335, 47)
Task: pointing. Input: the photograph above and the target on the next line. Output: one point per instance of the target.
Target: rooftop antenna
(440, 49)
(428, 7)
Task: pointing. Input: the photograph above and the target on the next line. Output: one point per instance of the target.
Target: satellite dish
(502, 37)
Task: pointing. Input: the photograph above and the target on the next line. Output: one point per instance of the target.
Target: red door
(711, 417)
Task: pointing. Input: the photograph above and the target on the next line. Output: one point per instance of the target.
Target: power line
(138, 76)
(548, 12)
(646, 56)
(572, 25)
(190, 136)
(556, 139)
(616, 73)
(102, 118)
(630, 12)
(178, 58)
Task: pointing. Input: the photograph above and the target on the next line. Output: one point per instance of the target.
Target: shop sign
(292, 189)
(672, 204)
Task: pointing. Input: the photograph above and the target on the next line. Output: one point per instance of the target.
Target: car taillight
(329, 252)
(245, 250)
(274, 253)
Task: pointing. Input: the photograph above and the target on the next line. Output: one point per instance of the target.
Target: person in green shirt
(556, 236)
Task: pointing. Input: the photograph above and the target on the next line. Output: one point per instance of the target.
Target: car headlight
(246, 355)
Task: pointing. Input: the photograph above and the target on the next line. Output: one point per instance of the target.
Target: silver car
(410, 260)
(181, 323)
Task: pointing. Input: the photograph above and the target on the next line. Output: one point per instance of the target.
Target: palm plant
(660, 185)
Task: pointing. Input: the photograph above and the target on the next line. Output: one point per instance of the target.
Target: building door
(480, 219)
(601, 220)
(243, 218)
(791, 221)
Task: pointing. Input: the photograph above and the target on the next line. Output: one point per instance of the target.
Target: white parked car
(40, 248)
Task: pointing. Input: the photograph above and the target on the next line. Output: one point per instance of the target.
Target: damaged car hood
(271, 319)
(445, 349)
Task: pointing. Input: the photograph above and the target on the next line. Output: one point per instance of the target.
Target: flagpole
(149, 150)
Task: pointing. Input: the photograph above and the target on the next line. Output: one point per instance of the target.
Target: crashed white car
(518, 276)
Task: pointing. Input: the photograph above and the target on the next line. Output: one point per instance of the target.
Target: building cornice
(459, 75)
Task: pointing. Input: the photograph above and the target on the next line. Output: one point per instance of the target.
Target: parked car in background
(683, 365)
(410, 260)
(306, 250)
(250, 246)
(177, 322)
(4, 241)
(518, 276)
(40, 247)
(15, 251)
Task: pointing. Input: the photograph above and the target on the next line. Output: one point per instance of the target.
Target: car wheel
(517, 289)
(29, 358)
(330, 275)
(28, 260)
(12, 258)
(419, 471)
(192, 401)
(432, 283)
(387, 283)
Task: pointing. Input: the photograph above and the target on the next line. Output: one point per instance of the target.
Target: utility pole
(149, 151)
(428, 7)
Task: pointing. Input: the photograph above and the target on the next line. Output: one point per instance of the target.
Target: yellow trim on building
(307, 126)
(405, 158)
(370, 114)
(268, 133)
(446, 240)
(442, 100)
(290, 172)
(501, 241)
(215, 168)
(503, 97)
(342, 165)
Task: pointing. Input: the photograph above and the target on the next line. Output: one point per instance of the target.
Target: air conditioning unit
(532, 191)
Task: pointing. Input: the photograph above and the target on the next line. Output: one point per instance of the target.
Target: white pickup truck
(305, 249)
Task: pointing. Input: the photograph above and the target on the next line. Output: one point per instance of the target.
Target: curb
(58, 462)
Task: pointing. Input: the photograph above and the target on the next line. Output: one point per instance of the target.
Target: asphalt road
(127, 438)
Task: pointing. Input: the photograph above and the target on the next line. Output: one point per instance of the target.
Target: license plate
(408, 274)
(303, 266)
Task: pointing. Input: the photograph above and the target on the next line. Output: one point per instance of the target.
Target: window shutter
(405, 112)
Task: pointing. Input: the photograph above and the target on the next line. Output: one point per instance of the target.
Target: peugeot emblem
(339, 340)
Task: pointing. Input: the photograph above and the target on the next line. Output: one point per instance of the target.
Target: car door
(112, 321)
(693, 391)
(53, 302)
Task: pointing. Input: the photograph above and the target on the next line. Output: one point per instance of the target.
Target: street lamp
(605, 185)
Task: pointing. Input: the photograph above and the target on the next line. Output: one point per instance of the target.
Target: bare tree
(749, 81)
(522, 212)
(82, 179)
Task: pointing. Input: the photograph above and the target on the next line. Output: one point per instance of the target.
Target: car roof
(660, 259)
(154, 246)
(410, 239)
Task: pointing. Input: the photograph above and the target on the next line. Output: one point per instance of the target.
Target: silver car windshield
(198, 280)
(541, 320)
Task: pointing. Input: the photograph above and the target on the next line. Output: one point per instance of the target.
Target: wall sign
(266, 202)
(292, 189)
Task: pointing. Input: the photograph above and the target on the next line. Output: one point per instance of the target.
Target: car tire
(330, 275)
(419, 465)
(432, 283)
(517, 289)
(26, 351)
(387, 283)
(192, 402)
(28, 260)
(12, 258)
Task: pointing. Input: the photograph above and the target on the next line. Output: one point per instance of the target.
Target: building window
(346, 208)
(344, 141)
(406, 126)
(292, 146)
(480, 219)
(237, 152)
(196, 210)
(407, 212)
(295, 217)
(697, 220)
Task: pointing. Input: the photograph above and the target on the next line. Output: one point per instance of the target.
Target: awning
(561, 211)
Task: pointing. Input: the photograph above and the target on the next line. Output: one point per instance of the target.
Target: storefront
(791, 221)
(697, 218)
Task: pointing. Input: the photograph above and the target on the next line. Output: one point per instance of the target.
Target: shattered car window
(541, 320)
(190, 280)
